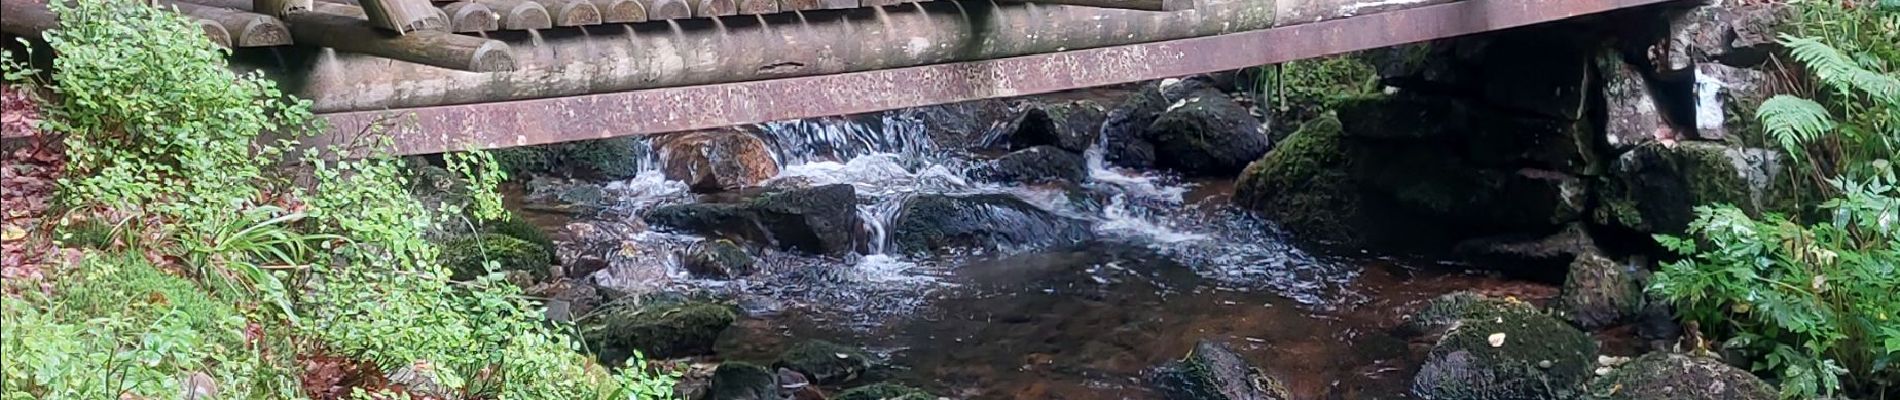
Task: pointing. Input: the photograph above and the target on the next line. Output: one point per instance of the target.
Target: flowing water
(1172, 264)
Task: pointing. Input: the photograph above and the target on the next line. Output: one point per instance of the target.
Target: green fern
(1840, 71)
(1794, 122)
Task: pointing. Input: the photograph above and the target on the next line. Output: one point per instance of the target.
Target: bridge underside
(642, 79)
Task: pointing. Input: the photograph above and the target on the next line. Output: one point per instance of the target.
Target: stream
(1171, 264)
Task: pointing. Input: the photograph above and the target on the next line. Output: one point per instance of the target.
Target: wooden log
(470, 17)
(278, 8)
(402, 15)
(667, 9)
(352, 33)
(435, 21)
(839, 4)
(800, 5)
(520, 14)
(878, 3)
(572, 12)
(714, 8)
(1144, 5)
(215, 32)
(247, 29)
(758, 7)
(621, 11)
(26, 18)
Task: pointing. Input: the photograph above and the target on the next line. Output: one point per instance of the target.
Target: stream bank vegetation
(218, 258)
(1809, 299)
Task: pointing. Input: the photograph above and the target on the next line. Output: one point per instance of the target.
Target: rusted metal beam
(531, 122)
(1144, 5)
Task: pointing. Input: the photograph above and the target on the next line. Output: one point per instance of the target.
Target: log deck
(590, 69)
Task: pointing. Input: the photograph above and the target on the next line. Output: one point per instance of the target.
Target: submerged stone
(818, 220)
(1508, 356)
(932, 222)
(1213, 372)
(884, 391)
(825, 363)
(657, 327)
(1665, 376)
(718, 258)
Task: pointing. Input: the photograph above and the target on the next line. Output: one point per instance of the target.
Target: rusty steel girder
(540, 121)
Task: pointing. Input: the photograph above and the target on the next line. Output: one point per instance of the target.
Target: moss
(1663, 376)
(466, 256)
(1536, 357)
(515, 227)
(657, 327)
(1303, 184)
(1446, 310)
(826, 363)
(1714, 176)
(884, 391)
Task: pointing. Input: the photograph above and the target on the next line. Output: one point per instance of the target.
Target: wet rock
(1072, 126)
(657, 326)
(931, 222)
(717, 160)
(884, 391)
(1403, 116)
(1726, 98)
(1507, 356)
(718, 258)
(1304, 185)
(603, 159)
(1660, 376)
(1654, 188)
(1446, 311)
(1037, 165)
(818, 220)
(742, 381)
(1600, 292)
(1540, 257)
(1506, 141)
(1213, 372)
(1125, 141)
(1740, 35)
(467, 257)
(825, 363)
(1633, 117)
(1206, 134)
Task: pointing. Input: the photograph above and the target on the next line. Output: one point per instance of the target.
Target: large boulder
(884, 391)
(1666, 376)
(1632, 116)
(1124, 133)
(823, 362)
(719, 259)
(818, 220)
(1039, 164)
(1304, 185)
(1507, 356)
(716, 160)
(1072, 126)
(657, 326)
(742, 381)
(1600, 292)
(929, 222)
(467, 257)
(1214, 372)
(1206, 134)
(1655, 188)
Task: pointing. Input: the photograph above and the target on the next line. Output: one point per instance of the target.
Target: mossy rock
(466, 256)
(1214, 372)
(1447, 310)
(825, 363)
(1599, 292)
(1206, 134)
(657, 327)
(1655, 188)
(884, 391)
(718, 258)
(1510, 356)
(617, 158)
(514, 226)
(742, 381)
(1667, 376)
(1304, 185)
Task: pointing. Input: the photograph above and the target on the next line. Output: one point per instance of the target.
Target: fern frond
(1838, 70)
(1794, 121)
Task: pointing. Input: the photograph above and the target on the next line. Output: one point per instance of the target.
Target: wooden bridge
(500, 73)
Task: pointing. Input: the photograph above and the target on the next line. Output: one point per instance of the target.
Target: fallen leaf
(1496, 339)
(12, 233)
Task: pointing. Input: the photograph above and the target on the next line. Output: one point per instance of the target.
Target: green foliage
(1301, 90)
(1813, 305)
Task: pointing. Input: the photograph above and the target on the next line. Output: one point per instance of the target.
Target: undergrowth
(216, 253)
